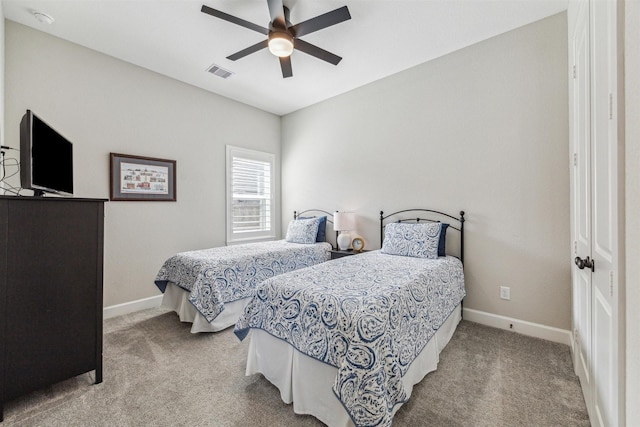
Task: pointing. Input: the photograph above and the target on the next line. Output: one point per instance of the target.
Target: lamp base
(344, 241)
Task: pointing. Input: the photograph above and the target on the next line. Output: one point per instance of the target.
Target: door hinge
(610, 106)
(610, 283)
(575, 247)
(575, 159)
(574, 71)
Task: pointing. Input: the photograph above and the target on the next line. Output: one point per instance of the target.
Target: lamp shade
(344, 221)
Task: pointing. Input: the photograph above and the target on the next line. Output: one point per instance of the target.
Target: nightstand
(336, 253)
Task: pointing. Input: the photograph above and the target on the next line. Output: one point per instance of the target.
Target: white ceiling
(383, 37)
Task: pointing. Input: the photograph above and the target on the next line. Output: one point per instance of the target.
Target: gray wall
(105, 105)
(484, 129)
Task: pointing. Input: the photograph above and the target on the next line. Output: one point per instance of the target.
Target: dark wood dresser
(51, 268)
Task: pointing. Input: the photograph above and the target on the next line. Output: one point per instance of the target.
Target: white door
(595, 209)
(604, 205)
(581, 194)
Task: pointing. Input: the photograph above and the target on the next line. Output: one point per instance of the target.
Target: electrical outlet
(505, 292)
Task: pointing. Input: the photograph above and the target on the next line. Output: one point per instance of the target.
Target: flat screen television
(46, 158)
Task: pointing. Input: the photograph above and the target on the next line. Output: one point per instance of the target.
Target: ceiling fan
(283, 37)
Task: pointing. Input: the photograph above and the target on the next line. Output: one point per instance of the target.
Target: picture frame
(139, 178)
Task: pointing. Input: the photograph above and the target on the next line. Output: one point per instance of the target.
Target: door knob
(587, 262)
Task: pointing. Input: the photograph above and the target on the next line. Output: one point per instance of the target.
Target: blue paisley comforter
(368, 315)
(229, 273)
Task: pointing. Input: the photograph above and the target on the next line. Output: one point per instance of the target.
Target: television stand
(51, 268)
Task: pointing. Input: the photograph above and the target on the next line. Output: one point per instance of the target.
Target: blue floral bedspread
(368, 315)
(229, 273)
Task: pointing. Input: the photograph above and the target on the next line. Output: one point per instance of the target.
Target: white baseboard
(133, 306)
(496, 321)
(521, 326)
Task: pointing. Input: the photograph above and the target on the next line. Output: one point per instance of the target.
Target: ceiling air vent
(220, 72)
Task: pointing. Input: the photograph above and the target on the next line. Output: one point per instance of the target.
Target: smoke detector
(43, 17)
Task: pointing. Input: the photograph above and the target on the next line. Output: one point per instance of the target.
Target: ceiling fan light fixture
(280, 43)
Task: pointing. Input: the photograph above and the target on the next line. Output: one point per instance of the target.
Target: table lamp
(344, 222)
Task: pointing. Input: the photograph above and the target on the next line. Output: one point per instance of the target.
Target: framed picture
(137, 178)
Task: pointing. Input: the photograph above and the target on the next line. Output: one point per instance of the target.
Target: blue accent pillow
(413, 240)
(443, 238)
(322, 228)
(303, 231)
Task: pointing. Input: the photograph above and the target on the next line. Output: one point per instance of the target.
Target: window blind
(250, 195)
(251, 188)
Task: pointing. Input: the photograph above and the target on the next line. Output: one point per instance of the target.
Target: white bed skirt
(177, 299)
(307, 383)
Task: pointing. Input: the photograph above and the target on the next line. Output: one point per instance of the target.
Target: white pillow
(414, 240)
(303, 230)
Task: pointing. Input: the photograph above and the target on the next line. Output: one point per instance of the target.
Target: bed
(211, 287)
(346, 341)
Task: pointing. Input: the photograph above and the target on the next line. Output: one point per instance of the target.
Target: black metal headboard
(433, 216)
(315, 212)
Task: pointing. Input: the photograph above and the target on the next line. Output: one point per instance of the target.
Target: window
(250, 195)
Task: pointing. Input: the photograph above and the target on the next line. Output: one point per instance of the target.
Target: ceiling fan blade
(321, 21)
(314, 50)
(276, 12)
(251, 49)
(285, 64)
(234, 19)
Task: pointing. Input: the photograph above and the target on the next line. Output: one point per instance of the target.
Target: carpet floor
(156, 373)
